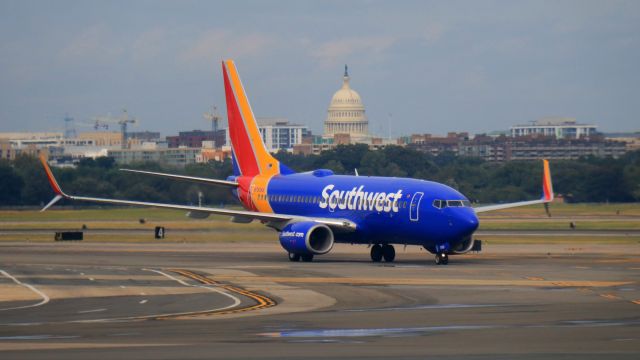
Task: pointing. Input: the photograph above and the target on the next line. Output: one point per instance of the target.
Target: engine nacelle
(464, 246)
(307, 238)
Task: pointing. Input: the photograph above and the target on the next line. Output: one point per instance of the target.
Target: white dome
(346, 114)
(346, 98)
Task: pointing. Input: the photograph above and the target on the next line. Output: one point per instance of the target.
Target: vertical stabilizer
(250, 154)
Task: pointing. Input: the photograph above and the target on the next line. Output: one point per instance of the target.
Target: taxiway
(246, 300)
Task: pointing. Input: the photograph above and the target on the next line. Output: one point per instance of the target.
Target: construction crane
(69, 127)
(102, 122)
(213, 117)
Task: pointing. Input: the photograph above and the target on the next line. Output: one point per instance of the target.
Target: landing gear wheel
(294, 257)
(376, 253)
(307, 258)
(442, 259)
(388, 252)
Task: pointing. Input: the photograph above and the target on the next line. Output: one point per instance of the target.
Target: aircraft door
(414, 209)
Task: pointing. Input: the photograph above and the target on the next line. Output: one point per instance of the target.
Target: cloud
(335, 51)
(218, 44)
(95, 43)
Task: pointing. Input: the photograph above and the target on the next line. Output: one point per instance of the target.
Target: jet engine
(307, 238)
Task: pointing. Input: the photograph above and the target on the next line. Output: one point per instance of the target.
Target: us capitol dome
(346, 114)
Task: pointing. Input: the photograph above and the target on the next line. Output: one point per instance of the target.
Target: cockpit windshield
(441, 204)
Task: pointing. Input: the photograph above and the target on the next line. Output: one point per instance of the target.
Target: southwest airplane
(314, 210)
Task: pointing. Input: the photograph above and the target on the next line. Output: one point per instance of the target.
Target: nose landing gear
(442, 259)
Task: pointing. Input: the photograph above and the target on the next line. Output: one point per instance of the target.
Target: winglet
(547, 185)
(54, 184)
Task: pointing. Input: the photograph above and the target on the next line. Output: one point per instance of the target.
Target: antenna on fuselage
(356, 171)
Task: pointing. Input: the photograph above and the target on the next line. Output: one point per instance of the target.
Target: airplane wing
(547, 194)
(187, 178)
(276, 220)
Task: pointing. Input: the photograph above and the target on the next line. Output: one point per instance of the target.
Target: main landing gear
(378, 252)
(442, 259)
(297, 257)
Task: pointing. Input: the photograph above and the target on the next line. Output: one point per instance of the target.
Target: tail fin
(547, 185)
(249, 152)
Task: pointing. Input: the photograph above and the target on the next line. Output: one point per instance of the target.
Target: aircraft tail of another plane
(250, 155)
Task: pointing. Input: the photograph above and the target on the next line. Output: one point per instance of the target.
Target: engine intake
(307, 238)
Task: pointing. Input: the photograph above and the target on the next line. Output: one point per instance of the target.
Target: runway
(246, 300)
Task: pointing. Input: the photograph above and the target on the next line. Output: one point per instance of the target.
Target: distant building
(278, 134)
(31, 135)
(314, 145)
(560, 128)
(9, 151)
(631, 139)
(177, 157)
(194, 138)
(503, 148)
(211, 154)
(565, 149)
(144, 136)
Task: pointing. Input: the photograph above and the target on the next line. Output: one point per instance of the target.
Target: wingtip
(547, 185)
(52, 180)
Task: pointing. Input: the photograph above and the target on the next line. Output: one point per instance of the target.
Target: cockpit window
(439, 204)
(458, 203)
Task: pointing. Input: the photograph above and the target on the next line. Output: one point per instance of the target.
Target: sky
(419, 66)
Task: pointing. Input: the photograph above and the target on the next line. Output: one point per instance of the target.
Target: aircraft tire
(307, 258)
(388, 252)
(442, 259)
(294, 257)
(376, 253)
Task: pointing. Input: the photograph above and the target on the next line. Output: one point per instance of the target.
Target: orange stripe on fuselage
(258, 192)
(267, 164)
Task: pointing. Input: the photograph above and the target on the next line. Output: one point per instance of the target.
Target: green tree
(11, 184)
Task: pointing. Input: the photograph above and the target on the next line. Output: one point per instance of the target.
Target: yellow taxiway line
(534, 282)
(262, 302)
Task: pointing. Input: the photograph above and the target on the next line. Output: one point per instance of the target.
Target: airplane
(314, 210)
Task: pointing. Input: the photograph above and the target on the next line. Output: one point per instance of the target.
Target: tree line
(590, 179)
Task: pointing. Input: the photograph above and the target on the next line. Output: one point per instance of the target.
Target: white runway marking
(143, 301)
(91, 311)
(236, 301)
(45, 298)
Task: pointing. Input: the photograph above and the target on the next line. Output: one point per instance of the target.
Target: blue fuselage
(385, 210)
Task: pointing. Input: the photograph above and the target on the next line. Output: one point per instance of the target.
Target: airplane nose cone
(473, 223)
(468, 223)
